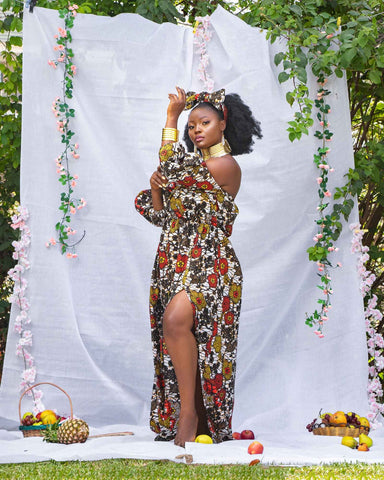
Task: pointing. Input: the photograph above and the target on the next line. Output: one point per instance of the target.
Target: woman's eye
(190, 127)
(206, 122)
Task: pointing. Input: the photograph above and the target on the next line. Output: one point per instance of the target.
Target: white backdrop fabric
(90, 320)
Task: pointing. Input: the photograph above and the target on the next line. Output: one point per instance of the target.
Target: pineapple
(73, 430)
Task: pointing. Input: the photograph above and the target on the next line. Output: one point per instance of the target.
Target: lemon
(203, 439)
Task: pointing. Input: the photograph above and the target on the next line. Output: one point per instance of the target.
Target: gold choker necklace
(218, 150)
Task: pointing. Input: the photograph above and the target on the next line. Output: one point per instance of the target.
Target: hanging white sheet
(90, 319)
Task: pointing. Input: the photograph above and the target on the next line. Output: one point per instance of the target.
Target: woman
(196, 280)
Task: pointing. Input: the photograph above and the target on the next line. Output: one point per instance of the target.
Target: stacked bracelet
(170, 134)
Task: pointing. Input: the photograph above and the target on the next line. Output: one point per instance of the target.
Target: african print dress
(194, 255)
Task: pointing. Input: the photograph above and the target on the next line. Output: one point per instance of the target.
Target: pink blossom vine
(202, 35)
(20, 301)
(63, 113)
(324, 238)
(373, 316)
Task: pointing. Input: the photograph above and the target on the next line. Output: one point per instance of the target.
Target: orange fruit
(338, 418)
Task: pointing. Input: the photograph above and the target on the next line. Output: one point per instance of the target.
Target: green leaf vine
(64, 113)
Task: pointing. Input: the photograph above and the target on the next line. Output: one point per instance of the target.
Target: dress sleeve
(176, 164)
(143, 204)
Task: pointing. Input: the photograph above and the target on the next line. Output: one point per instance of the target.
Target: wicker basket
(38, 430)
(341, 431)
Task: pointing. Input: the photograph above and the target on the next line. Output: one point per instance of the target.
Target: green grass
(124, 469)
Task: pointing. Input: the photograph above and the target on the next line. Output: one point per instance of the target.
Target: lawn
(126, 469)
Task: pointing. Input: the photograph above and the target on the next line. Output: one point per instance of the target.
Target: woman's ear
(223, 125)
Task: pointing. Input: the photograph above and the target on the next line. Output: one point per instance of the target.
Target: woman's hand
(157, 180)
(175, 107)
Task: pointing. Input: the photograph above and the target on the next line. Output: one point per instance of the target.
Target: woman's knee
(175, 324)
(178, 317)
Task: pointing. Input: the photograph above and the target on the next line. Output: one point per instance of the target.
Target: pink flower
(328, 193)
(73, 68)
(329, 36)
(52, 64)
(62, 32)
(72, 210)
(339, 264)
(319, 180)
(76, 155)
(73, 184)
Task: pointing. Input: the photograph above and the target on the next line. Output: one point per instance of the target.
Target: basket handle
(44, 383)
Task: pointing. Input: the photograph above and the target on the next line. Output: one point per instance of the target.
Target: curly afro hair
(241, 125)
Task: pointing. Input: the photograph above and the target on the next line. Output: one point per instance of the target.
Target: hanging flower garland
(375, 340)
(202, 35)
(62, 111)
(20, 301)
(323, 239)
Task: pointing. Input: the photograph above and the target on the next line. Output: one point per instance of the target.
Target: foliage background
(331, 36)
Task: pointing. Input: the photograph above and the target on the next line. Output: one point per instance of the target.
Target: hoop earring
(194, 149)
(223, 139)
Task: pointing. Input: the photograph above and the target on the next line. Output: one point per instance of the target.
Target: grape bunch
(353, 420)
(311, 426)
(326, 419)
(28, 420)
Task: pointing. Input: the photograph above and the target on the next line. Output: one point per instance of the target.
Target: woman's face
(205, 127)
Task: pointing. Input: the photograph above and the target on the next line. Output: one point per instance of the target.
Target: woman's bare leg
(202, 427)
(181, 345)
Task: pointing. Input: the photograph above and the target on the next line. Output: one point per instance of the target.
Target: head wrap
(215, 98)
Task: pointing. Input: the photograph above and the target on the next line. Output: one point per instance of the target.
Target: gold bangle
(170, 134)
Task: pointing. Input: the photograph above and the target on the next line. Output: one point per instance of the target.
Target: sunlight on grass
(126, 469)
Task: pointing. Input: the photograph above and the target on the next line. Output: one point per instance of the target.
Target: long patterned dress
(195, 255)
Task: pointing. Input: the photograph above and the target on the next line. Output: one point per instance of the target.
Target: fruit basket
(38, 430)
(339, 424)
(340, 431)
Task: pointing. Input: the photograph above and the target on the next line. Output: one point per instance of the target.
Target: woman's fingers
(158, 180)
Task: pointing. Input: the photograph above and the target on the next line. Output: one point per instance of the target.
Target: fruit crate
(340, 431)
(38, 430)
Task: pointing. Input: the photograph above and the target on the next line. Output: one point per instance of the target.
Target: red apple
(236, 435)
(255, 448)
(247, 435)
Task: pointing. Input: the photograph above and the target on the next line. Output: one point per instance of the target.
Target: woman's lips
(199, 139)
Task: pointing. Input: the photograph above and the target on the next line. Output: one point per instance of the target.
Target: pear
(349, 442)
(365, 439)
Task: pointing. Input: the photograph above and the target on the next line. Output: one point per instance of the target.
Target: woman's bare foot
(186, 429)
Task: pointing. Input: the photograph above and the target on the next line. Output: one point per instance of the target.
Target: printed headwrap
(215, 98)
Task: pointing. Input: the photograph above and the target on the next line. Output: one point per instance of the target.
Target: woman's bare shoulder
(227, 173)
